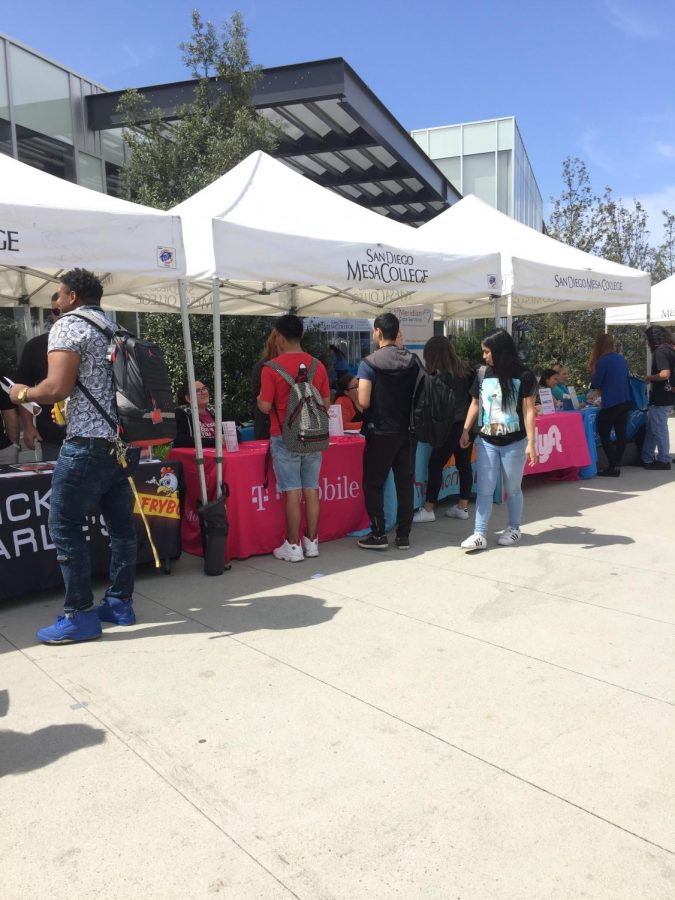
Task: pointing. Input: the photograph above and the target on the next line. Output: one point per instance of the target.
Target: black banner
(28, 557)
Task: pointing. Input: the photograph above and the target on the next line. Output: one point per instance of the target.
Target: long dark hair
(545, 375)
(506, 363)
(440, 356)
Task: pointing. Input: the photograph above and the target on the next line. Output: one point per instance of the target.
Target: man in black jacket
(387, 381)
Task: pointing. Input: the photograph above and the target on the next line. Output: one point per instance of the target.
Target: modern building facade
(487, 159)
(43, 121)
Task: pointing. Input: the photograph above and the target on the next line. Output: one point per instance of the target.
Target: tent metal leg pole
(497, 311)
(217, 387)
(509, 314)
(196, 430)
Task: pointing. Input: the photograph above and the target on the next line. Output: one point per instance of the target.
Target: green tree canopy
(169, 162)
(604, 225)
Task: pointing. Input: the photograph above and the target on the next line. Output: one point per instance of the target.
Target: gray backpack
(305, 429)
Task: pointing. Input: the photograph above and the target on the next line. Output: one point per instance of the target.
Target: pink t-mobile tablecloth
(256, 514)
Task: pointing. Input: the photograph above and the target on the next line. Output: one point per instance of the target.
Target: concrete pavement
(427, 724)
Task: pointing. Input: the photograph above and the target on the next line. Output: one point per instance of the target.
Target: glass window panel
(452, 169)
(504, 198)
(505, 128)
(480, 137)
(113, 180)
(41, 96)
(5, 137)
(45, 153)
(90, 171)
(4, 96)
(445, 142)
(113, 146)
(479, 176)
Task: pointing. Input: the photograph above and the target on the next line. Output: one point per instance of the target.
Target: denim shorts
(294, 471)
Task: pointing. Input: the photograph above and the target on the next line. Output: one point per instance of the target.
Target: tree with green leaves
(169, 162)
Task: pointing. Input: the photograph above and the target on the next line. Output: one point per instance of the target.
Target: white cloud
(630, 20)
(667, 151)
(594, 152)
(654, 204)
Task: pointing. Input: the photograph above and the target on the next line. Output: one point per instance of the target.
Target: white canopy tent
(264, 240)
(537, 273)
(282, 242)
(49, 225)
(660, 311)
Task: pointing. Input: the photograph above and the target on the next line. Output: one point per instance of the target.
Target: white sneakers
(509, 537)
(289, 552)
(297, 552)
(311, 548)
(424, 515)
(455, 512)
(475, 542)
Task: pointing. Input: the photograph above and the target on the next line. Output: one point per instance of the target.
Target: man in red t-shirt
(297, 474)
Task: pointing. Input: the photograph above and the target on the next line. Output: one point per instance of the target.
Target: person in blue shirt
(609, 378)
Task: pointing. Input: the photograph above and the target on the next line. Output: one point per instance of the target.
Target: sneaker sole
(371, 547)
(55, 643)
(471, 549)
(285, 559)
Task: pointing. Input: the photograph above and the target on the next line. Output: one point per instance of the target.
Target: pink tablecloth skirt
(256, 514)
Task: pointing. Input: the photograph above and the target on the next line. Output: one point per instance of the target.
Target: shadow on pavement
(586, 538)
(238, 616)
(21, 752)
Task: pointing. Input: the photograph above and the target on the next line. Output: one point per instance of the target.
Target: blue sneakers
(71, 628)
(119, 612)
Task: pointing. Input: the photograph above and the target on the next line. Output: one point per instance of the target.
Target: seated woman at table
(560, 391)
(609, 377)
(548, 379)
(345, 398)
(207, 417)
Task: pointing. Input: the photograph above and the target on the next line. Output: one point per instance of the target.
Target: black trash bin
(214, 527)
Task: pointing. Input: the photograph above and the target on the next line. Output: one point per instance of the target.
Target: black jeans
(440, 456)
(613, 417)
(383, 452)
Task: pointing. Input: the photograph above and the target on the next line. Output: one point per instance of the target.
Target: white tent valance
(661, 308)
(49, 225)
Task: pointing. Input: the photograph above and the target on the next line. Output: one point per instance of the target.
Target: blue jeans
(86, 476)
(489, 459)
(656, 445)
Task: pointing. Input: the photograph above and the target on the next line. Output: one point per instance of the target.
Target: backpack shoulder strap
(280, 371)
(312, 369)
(94, 320)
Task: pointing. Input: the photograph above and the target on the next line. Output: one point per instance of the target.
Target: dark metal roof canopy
(335, 131)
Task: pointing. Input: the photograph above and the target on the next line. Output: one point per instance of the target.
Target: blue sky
(587, 78)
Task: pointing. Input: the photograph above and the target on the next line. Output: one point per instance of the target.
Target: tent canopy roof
(278, 241)
(661, 308)
(49, 225)
(540, 273)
